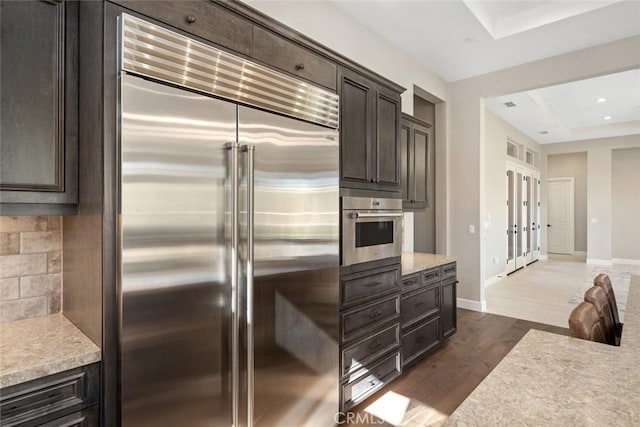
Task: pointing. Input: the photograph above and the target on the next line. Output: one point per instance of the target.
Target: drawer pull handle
(300, 66)
(373, 284)
(410, 282)
(374, 345)
(420, 340)
(375, 314)
(372, 383)
(420, 304)
(191, 19)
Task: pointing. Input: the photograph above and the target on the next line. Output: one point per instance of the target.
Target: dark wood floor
(431, 390)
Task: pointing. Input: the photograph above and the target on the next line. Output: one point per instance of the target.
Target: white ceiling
(571, 111)
(456, 43)
(505, 18)
(458, 39)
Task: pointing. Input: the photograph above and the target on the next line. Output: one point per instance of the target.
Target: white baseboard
(472, 304)
(627, 261)
(495, 279)
(581, 253)
(543, 257)
(595, 261)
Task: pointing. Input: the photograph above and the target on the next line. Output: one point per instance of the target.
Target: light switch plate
(472, 229)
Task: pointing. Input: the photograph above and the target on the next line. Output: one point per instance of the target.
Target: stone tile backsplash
(30, 266)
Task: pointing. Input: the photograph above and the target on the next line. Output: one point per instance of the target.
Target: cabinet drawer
(420, 340)
(369, 284)
(288, 56)
(48, 398)
(420, 305)
(431, 276)
(367, 350)
(449, 270)
(411, 282)
(358, 321)
(203, 19)
(380, 374)
(86, 418)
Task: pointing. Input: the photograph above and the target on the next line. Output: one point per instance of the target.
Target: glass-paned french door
(523, 215)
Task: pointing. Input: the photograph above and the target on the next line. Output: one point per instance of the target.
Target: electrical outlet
(472, 229)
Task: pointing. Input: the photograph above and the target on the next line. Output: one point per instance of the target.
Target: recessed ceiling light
(544, 132)
(607, 117)
(601, 100)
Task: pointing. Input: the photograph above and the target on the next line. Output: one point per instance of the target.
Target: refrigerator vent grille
(153, 51)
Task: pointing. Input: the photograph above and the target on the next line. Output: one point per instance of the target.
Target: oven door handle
(356, 215)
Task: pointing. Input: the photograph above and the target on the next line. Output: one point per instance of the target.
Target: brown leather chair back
(585, 323)
(596, 296)
(602, 280)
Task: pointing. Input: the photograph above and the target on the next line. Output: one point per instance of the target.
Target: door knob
(548, 225)
(191, 19)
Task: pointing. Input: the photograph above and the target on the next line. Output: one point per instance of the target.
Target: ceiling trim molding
(529, 18)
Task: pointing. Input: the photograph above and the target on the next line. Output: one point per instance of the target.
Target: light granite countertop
(549, 379)
(415, 261)
(34, 348)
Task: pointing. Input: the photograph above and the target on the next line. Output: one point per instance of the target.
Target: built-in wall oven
(371, 229)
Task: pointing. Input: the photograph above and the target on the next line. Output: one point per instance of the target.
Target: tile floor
(546, 291)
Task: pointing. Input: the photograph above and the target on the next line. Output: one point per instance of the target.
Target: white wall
(625, 183)
(495, 218)
(467, 145)
(600, 218)
(574, 165)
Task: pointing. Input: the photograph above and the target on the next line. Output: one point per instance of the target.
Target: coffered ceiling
(600, 107)
(458, 39)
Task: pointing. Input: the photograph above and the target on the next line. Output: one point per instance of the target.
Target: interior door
(520, 225)
(511, 221)
(560, 219)
(528, 216)
(173, 282)
(535, 216)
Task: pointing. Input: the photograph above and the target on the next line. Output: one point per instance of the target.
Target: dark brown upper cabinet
(369, 134)
(39, 107)
(415, 149)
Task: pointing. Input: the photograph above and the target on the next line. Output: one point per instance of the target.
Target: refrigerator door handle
(250, 150)
(234, 147)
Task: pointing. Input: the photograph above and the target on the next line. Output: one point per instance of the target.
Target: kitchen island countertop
(34, 348)
(413, 262)
(549, 379)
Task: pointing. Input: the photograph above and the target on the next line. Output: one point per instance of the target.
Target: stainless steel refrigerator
(229, 238)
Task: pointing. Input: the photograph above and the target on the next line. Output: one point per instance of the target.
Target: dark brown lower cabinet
(449, 318)
(69, 398)
(427, 311)
(372, 380)
(86, 418)
(420, 340)
(392, 325)
(370, 354)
